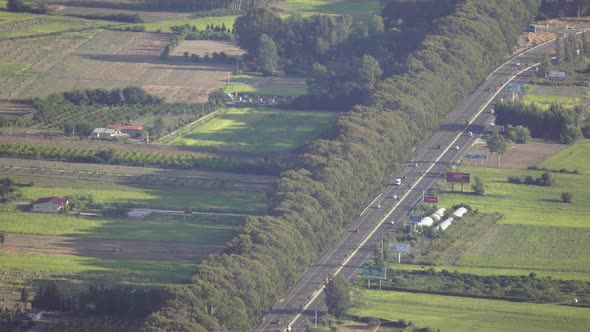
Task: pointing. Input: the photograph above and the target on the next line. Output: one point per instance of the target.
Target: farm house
(106, 133)
(125, 128)
(49, 205)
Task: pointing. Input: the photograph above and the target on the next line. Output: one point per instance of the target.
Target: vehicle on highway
(416, 165)
(398, 182)
(392, 222)
(377, 206)
(356, 230)
(394, 196)
(469, 133)
(456, 147)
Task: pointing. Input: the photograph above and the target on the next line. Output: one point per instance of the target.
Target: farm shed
(436, 216)
(446, 223)
(125, 128)
(106, 133)
(49, 204)
(426, 221)
(460, 212)
(34, 314)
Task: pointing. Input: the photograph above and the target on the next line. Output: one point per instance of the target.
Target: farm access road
(384, 214)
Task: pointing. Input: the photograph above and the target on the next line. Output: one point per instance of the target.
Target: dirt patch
(109, 249)
(518, 156)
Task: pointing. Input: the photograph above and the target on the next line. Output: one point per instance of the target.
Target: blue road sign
(415, 218)
(375, 272)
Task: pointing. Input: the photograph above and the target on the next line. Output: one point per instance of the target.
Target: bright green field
(3, 4)
(48, 24)
(163, 197)
(260, 130)
(545, 96)
(449, 313)
(526, 204)
(131, 271)
(13, 68)
(197, 229)
(574, 157)
(339, 7)
(282, 86)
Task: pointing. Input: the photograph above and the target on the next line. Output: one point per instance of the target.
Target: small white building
(105, 133)
(34, 314)
(49, 205)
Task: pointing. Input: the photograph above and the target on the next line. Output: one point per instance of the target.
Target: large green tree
(338, 297)
(497, 144)
(266, 55)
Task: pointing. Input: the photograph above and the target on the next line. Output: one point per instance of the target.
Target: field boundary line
(190, 124)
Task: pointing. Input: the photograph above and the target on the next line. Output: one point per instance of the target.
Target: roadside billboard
(374, 272)
(557, 75)
(399, 247)
(415, 218)
(458, 177)
(430, 199)
(475, 156)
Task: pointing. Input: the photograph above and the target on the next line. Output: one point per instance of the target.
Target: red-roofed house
(125, 128)
(49, 204)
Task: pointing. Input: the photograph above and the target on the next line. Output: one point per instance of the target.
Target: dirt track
(102, 248)
(519, 156)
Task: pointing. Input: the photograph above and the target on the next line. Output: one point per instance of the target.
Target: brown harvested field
(14, 109)
(207, 47)
(110, 249)
(518, 156)
(117, 59)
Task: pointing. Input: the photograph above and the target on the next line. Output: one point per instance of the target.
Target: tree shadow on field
(154, 59)
(550, 200)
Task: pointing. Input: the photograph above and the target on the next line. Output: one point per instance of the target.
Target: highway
(299, 306)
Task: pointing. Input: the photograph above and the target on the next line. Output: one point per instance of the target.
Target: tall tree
(368, 72)
(497, 144)
(266, 55)
(338, 296)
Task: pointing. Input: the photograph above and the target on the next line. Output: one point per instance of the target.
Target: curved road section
(304, 302)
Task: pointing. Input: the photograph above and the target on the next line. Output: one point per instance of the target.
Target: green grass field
(113, 270)
(261, 130)
(3, 4)
(545, 96)
(13, 68)
(525, 204)
(282, 86)
(163, 197)
(194, 229)
(574, 157)
(449, 313)
(339, 7)
(46, 24)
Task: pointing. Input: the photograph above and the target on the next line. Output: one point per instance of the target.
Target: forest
(313, 204)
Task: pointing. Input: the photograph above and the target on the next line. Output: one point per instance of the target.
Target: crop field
(567, 96)
(207, 47)
(25, 25)
(117, 59)
(260, 130)
(261, 85)
(338, 7)
(449, 313)
(194, 229)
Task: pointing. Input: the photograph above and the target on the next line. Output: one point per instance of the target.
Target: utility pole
(148, 138)
(73, 130)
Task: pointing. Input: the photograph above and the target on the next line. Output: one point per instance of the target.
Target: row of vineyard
(137, 158)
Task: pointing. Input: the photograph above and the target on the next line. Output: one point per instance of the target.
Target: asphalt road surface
(304, 303)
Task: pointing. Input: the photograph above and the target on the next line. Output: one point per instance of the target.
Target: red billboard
(458, 177)
(430, 199)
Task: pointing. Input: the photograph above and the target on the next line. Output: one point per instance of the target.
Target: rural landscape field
(182, 165)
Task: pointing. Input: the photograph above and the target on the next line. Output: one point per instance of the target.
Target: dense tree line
(556, 123)
(515, 288)
(28, 6)
(313, 204)
(117, 301)
(137, 158)
(561, 8)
